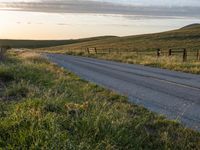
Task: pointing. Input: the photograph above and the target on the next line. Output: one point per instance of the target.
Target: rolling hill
(45, 43)
(186, 37)
(191, 26)
(142, 48)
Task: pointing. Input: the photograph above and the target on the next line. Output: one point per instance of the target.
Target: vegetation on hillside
(191, 25)
(45, 107)
(188, 37)
(45, 43)
(141, 49)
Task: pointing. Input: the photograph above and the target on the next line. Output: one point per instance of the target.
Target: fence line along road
(157, 52)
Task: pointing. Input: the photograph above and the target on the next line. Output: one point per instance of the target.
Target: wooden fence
(2, 53)
(181, 52)
(91, 50)
(3, 50)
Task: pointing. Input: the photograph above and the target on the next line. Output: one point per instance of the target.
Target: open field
(44, 43)
(141, 49)
(44, 106)
(188, 37)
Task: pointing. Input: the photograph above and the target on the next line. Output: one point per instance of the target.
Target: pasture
(142, 49)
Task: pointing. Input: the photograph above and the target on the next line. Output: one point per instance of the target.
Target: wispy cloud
(62, 24)
(101, 7)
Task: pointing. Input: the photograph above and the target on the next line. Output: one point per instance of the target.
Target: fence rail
(182, 51)
(185, 54)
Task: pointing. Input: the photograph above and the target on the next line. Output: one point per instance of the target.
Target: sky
(71, 19)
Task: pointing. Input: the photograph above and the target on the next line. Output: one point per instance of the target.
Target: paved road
(174, 94)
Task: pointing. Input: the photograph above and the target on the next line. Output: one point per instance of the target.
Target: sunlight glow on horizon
(41, 25)
(70, 19)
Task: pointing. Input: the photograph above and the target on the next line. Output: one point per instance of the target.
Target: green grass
(43, 106)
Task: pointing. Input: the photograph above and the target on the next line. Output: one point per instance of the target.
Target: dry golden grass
(182, 38)
(172, 63)
(188, 38)
(29, 55)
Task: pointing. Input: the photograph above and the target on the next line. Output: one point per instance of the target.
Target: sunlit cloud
(62, 24)
(64, 19)
(102, 7)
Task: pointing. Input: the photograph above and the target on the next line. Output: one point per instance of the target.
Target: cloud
(101, 7)
(62, 24)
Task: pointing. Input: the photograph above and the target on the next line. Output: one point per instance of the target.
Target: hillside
(44, 43)
(140, 49)
(187, 37)
(191, 26)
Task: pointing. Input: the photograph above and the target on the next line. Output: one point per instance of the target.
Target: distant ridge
(191, 26)
(47, 43)
(187, 37)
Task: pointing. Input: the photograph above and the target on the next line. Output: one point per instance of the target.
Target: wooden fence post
(170, 52)
(198, 55)
(88, 51)
(95, 49)
(184, 54)
(1, 54)
(158, 52)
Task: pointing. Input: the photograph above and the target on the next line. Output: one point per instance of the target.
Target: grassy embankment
(46, 107)
(140, 47)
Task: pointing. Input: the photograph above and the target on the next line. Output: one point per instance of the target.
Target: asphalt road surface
(174, 94)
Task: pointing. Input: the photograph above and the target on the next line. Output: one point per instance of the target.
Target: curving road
(174, 94)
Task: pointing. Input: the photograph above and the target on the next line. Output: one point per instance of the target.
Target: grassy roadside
(172, 63)
(43, 106)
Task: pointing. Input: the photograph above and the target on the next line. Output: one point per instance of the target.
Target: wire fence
(183, 53)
